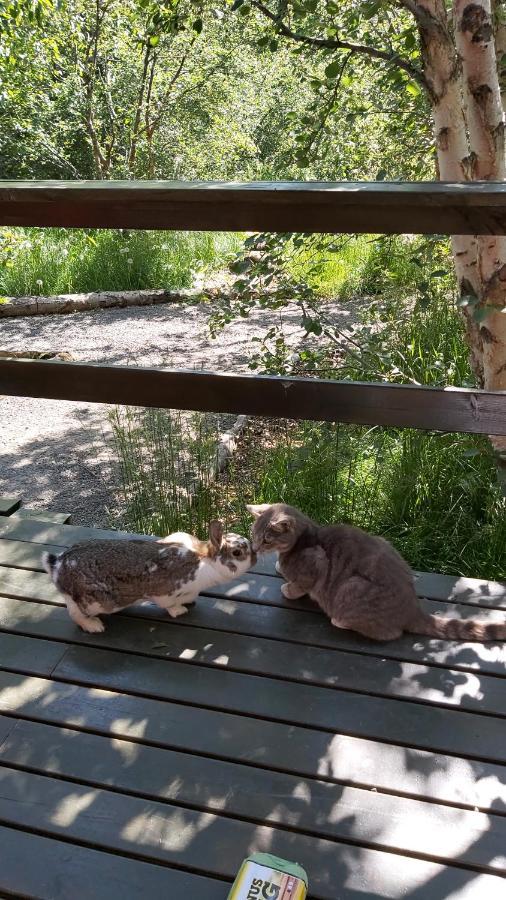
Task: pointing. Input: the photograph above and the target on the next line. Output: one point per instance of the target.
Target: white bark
(500, 46)
(485, 119)
(443, 71)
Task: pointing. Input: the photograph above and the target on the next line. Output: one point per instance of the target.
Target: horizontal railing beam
(409, 406)
(378, 207)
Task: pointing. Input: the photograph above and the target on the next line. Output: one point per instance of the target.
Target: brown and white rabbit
(103, 576)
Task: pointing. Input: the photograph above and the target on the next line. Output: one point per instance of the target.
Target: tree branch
(321, 127)
(151, 125)
(337, 44)
(421, 15)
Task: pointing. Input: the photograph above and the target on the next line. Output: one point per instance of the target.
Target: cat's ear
(256, 509)
(281, 526)
(216, 534)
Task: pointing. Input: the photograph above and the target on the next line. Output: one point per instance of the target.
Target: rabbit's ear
(216, 534)
(256, 510)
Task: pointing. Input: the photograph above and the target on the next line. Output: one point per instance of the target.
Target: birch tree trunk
(500, 46)
(443, 72)
(460, 66)
(485, 121)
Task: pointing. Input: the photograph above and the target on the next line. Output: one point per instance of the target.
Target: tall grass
(166, 463)
(55, 261)
(435, 496)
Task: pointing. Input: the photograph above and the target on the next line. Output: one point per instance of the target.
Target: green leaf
(333, 69)
(438, 273)
(154, 40)
(198, 26)
(413, 88)
(381, 174)
(370, 9)
(240, 265)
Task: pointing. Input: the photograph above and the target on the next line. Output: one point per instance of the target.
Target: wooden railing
(422, 208)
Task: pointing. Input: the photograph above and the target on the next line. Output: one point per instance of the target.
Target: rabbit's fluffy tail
(49, 561)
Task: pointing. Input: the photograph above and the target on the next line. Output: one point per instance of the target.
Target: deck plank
(315, 665)
(34, 865)
(338, 812)
(26, 554)
(36, 658)
(273, 703)
(253, 588)
(304, 627)
(249, 724)
(345, 760)
(9, 505)
(217, 844)
(40, 532)
(45, 515)
(330, 709)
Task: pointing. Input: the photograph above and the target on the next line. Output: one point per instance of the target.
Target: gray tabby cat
(359, 580)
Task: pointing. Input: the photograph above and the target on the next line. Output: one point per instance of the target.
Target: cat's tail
(456, 629)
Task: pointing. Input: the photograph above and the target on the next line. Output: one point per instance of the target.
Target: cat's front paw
(291, 591)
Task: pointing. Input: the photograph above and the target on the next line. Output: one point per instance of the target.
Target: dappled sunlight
(380, 870)
(132, 729)
(302, 792)
(487, 593)
(384, 818)
(72, 807)
(222, 660)
(224, 606)
(452, 688)
(172, 832)
(29, 690)
(262, 840)
(188, 653)
(237, 588)
(468, 655)
(127, 750)
(416, 772)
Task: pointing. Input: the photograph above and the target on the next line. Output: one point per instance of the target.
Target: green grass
(333, 273)
(436, 497)
(56, 261)
(165, 462)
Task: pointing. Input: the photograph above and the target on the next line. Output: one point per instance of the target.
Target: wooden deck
(148, 761)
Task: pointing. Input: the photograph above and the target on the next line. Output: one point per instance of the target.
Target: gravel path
(56, 454)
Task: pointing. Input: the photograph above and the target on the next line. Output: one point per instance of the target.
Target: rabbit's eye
(236, 552)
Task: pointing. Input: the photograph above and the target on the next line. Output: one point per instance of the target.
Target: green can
(266, 877)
